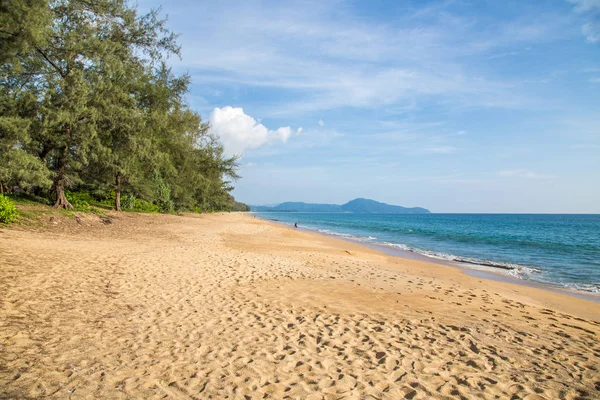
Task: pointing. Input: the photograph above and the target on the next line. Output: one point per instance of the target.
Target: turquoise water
(560, 250)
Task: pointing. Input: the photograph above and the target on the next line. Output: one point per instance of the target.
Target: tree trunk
(118, 193)
(43, 154)
(60, 180)
(61, 199)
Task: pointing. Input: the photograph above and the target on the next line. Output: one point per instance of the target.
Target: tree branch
(50, 62)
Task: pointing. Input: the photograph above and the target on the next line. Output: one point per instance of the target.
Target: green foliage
(8, 210)
(80, 200)
(18, 167)
(108, 198)
(145, 206)
(88, 103)
(237, 206)
(128, 202)
(27, 198)
(163, 194)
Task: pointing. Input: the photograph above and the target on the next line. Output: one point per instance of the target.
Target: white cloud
(240, 132)
(321, 123)
(327, 63)
(520, 173)
(591, 8)
(591, 32)
(585, 5)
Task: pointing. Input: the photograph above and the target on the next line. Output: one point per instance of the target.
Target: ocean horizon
(559, 250)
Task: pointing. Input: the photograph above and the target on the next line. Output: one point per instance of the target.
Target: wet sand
(475, 270)
(230, 306)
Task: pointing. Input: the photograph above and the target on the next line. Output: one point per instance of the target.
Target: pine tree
(119, 157)
(21, 25)
(88, 102)
(87, 39)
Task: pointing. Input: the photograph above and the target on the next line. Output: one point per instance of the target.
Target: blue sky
(456, 106)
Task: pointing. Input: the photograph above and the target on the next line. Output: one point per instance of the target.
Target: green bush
(84, 201)
(145, 206)
(166, 206)
(8, 210)
(128, 202)
(109, 198)
(80, 200)
(163, 194)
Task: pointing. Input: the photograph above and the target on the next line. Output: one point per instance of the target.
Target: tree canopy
(89, 103)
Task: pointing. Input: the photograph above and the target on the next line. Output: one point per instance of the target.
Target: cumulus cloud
(321, 123)
(240, 132)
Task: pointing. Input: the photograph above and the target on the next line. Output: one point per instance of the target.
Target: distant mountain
(308, 207)
(366, 206)
(357, 206)
(299, 207)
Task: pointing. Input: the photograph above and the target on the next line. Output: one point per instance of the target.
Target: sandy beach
(230, 306)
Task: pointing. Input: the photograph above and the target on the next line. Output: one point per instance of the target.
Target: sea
(561, 251)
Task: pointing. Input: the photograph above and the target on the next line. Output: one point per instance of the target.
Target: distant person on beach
(295, 224)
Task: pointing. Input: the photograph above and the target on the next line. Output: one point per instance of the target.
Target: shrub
(145, 206)
(109, 198)
(166, 206)
(8, 210)
(163, 194)
(128, 202)
(80, 200)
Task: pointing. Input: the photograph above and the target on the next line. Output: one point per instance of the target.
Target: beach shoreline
(227, 305)
(472, 269)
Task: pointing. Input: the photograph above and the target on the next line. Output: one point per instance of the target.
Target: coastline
(475, 270)
(198, 306)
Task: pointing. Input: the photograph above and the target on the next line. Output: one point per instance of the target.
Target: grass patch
(28, 199)
(67, 213)
(98, 211)
(101, 206)
(31, 216)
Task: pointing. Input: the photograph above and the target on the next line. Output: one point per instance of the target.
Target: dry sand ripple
(228, 306)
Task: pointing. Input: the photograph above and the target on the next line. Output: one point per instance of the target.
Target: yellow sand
(229, 306)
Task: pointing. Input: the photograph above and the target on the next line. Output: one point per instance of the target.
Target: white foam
(584, 287)
(519, 271)
(516, 270)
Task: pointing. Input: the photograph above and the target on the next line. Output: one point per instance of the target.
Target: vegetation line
(91, 112)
